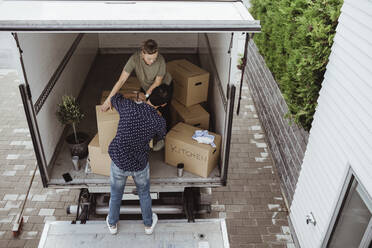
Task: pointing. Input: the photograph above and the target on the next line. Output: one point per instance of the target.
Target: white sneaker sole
(112, 231)
(149, 231)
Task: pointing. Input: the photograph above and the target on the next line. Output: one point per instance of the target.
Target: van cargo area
(103, 74)
(85, 65)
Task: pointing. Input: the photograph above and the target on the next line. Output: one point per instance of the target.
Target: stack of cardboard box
(190, 89)
(107, 123)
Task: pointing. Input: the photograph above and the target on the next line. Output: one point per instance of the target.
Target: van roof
(126, 16)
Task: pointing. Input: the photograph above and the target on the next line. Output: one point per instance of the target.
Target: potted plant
(69, 113)
(241, 61)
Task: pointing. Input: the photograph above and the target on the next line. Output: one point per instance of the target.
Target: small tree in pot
(240, 64)
(69, 113)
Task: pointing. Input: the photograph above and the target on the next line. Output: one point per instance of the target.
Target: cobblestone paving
(251, 202)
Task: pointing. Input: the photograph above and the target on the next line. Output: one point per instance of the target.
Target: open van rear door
(129, 16)
(73, 18)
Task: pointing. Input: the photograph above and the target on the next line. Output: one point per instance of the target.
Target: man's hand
(106, 105)
(149, 91)
(141, 97)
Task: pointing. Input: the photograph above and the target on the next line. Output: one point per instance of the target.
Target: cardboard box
(99, 162)
(131, 85)
(107, 124)
(194, 115)
(125, 93)
(190, 82)
(199, 159)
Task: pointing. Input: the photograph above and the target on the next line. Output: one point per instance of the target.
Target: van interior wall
(128, 43)
(214, 59)
(212, 56)
(43, 53)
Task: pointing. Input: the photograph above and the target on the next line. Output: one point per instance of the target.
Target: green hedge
(296, 41)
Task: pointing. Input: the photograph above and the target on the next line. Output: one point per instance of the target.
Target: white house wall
(341, 134)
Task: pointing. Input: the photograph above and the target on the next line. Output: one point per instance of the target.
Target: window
(353, 225)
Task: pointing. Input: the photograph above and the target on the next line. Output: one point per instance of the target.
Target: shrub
(296, 41)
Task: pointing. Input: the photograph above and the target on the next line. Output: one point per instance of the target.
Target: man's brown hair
(150, 47)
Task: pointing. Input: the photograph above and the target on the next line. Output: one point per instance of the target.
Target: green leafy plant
(69, 113)
(240, 61)
(296, 41)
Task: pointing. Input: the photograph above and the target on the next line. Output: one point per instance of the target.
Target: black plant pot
(80, 149)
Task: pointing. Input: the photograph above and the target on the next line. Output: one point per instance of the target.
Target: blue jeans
(118, 178)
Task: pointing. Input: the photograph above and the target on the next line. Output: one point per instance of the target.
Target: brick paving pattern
(17, 165)
(251, 202)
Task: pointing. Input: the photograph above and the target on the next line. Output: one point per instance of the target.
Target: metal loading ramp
(205, 233)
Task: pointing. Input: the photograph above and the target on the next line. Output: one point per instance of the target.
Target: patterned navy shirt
(138, 124)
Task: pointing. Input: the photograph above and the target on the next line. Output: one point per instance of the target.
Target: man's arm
(123, 77)
(160, 75)
(157, 82)
(120, 102)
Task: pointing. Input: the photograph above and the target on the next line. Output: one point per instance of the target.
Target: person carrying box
(150, 69)
(129, 152)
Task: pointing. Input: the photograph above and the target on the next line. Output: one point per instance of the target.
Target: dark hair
(150, 46)
(160, 95)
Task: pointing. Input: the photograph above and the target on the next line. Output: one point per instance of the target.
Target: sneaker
(149, 230)
(113, 229)
(158, 146)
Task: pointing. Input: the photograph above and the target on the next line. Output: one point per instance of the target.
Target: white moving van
(80, 47)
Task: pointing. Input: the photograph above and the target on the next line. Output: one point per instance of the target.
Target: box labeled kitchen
(180, 147)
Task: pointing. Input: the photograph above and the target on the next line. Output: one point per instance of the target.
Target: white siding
(341, 134)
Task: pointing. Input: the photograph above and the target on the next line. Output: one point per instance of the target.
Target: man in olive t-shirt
(145, 73)
(150, 69)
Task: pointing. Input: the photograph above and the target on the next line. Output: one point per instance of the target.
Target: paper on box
(199, 159)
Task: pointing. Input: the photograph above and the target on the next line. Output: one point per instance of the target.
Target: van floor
(104, 73)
